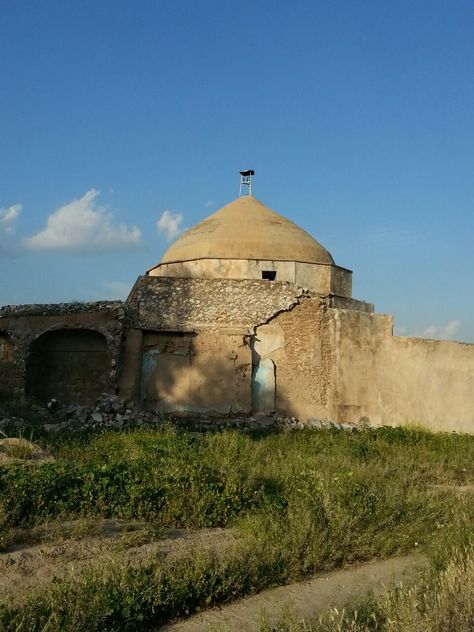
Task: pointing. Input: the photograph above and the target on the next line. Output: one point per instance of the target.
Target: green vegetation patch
(302, 501)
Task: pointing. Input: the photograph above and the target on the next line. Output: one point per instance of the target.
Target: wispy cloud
(8, 218)
(447, 331)
(170, 224)
(443, 332)
(83, 226)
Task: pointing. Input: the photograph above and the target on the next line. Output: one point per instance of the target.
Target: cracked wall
(297, 342)
(196, 373)
(214, 320)
(174, 304)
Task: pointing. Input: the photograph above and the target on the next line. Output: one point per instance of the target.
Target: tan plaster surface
(247, 229)
(390, 380)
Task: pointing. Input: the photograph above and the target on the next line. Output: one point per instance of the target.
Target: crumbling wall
(207, 369)
(388, 380)
(24, 325)
(297, 342)
(173, 304)
(317, 277)
(196, 373)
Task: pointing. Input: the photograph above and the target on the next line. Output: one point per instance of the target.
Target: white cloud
(116, 290)
(442, 331)
(170, 224)
(83, 226)
(8, 217)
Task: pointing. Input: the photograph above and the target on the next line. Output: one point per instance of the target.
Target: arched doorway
(71, 365)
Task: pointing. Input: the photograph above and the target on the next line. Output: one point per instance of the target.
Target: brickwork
(298, 343)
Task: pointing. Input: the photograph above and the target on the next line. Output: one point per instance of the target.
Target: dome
(247, 229)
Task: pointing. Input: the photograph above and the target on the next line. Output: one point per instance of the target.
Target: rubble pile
(111, 411)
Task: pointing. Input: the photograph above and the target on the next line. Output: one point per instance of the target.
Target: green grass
(303, 502)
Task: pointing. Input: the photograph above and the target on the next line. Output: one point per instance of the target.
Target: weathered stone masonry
(28, 328)
(245, 314)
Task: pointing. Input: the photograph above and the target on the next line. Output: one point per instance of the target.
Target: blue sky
(357, 116)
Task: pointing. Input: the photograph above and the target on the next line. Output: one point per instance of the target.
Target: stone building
(245, 313)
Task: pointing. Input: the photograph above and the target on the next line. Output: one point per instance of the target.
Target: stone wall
(8, 372)
(210, 346)
(70, 365)
(170, 304)
(387, 380)
(197, 340)
(27, 328)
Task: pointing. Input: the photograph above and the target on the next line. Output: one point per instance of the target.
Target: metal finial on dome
(246, 181)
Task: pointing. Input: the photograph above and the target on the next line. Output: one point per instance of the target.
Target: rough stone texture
(59, 309)
(203, 346)
(24, 325)
(8, 372)
(344, 302)
(192, 304)
(112, 411)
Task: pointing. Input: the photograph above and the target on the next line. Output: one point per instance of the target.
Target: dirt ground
(36, 556)
(305, 600)
(60, 550)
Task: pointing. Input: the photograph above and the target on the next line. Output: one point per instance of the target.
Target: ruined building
(245, 313)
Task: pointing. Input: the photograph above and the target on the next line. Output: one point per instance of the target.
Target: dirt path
(306, 600)
(26, 566)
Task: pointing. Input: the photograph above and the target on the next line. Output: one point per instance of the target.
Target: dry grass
(442, 602)
(303, 502)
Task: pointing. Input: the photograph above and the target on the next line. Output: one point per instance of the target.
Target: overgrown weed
(303, 502)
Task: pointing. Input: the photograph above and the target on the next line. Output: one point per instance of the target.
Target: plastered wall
(323, 278)
(196, 373)
(210, 345)
(389, 380)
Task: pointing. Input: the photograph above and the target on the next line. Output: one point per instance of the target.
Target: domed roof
(247, 229)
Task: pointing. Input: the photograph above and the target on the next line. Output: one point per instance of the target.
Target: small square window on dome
(269, 275)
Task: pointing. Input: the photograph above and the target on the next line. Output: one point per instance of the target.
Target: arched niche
(70, 365)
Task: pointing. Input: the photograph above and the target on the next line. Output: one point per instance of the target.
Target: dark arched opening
(71, 365)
